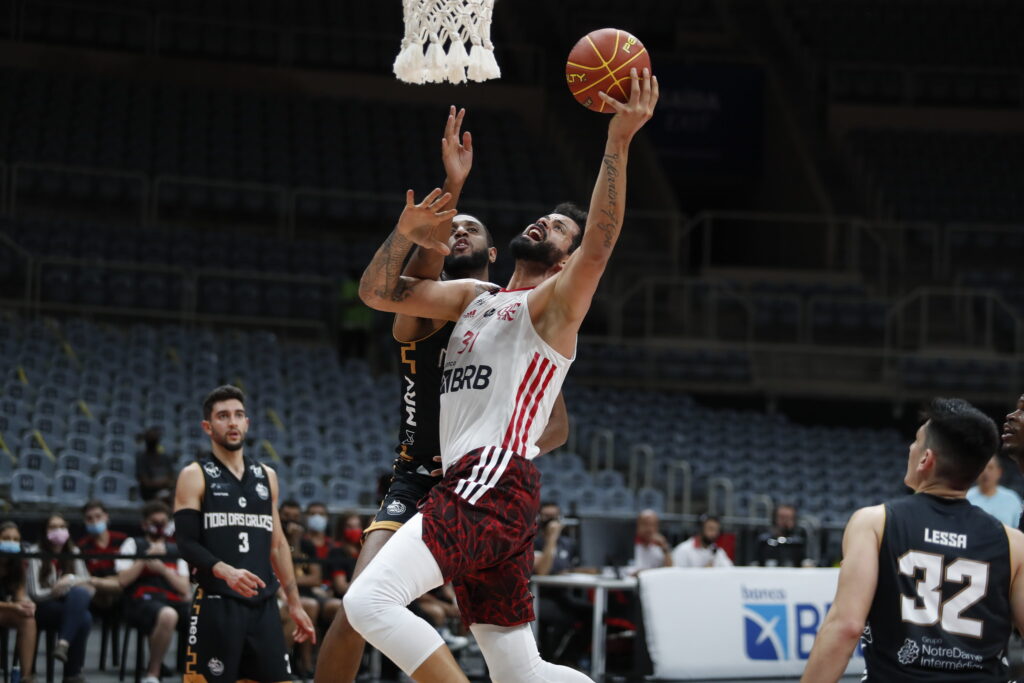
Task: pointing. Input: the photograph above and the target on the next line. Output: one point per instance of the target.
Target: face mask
(156, 530)
(10, 546)
(354, 536)
(96, 529)
(58, 536)
(316, 523)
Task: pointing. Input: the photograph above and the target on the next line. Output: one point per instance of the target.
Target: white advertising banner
(735, 623)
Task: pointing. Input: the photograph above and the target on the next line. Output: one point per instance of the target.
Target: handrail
(646, 451)
(922, 295)
(601, 437)
(685, 490)
(759, 502)
(728, 494)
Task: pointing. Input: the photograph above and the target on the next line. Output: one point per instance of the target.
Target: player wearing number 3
(504, 365)
(936, 580)
(227, 528)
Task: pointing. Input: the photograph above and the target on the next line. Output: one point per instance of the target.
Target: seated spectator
(701, 549)
(996, 500)
(651, 549)
(100, 539)
(153, 467)
(307, 575)
(784, 545)
(62, 589)
(323, 545)
(348, 539)
(16, 610)
(156, 591)
(559, 610)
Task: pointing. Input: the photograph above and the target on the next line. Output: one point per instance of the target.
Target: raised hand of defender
(632, 115)
(303, 625)
(417, 221)
(456, 154)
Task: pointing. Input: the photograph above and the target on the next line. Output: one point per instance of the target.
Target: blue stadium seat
(30, 486)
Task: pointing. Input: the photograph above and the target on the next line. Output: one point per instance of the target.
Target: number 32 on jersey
(927, 607)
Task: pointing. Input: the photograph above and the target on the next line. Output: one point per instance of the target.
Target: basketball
(601, 60)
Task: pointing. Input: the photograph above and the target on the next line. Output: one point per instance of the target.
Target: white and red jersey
(500, 379)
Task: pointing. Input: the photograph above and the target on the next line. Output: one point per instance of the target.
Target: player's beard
(227, 445)
(465, 265)
(523, 248)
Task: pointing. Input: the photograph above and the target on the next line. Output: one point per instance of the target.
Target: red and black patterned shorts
(479, 522)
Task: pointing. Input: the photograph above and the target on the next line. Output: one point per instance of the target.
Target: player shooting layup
(504, 366)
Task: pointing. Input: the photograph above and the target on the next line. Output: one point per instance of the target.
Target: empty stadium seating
(946, 177)
(328, 428)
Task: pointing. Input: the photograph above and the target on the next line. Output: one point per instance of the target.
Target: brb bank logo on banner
(776, 628)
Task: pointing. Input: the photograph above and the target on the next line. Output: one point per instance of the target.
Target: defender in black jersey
(228, 530)
(932, 583)
(1013, 440)
(420, 346)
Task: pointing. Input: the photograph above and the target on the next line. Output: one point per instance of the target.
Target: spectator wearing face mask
(348, 539)
(323, 546)
(100, 539)
(16, 610)
(62, 588)
(156, 590)
(701, 549)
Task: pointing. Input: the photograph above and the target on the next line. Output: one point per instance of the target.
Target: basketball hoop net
(431, 24)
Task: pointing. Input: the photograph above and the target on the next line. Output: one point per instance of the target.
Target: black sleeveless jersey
(420, 364)
(941, 610)
(238, 525)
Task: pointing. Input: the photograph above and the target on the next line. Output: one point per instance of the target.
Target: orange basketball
(601, 60)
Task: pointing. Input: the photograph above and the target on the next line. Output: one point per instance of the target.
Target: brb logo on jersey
(466, 377)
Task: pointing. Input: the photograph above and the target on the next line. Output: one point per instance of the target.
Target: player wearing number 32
(503, 368)
(227, 528)
(936, 581)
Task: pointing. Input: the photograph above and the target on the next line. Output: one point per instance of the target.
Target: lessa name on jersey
(946, 538)
(466, 377)
(215, 520)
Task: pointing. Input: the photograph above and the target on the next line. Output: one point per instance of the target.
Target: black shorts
(400, 504)
(229, 639)
(142, 612)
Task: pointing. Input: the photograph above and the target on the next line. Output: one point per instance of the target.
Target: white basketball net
(430, 25)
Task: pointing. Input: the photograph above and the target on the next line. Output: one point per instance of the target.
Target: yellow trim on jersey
(386, 526)
(415, 341)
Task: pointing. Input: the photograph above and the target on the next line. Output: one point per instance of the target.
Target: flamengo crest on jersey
(500, 379)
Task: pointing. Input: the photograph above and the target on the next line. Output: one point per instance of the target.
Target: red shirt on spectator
(89, 546)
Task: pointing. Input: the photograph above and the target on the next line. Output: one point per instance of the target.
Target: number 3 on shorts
(243, 541)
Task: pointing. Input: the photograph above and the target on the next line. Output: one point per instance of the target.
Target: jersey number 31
(927, 609)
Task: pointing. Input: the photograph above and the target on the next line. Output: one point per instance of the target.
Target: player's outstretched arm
(457, 157)
(576, 285)
(858, 578)
(384, 288)
(281, 561)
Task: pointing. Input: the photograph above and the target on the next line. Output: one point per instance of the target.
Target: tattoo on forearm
(609, 224)
(386, 268)
(291, 586)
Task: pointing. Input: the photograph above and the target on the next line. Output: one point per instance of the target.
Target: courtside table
(601, 586)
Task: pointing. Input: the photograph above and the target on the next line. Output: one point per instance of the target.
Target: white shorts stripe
(478, 474)
(506, 456)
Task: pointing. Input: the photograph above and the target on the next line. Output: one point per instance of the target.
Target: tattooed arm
(383, 286)
(568, 296)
